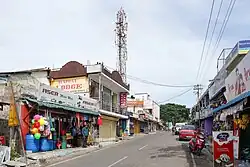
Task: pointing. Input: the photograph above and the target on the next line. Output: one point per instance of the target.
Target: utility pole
(197, 90)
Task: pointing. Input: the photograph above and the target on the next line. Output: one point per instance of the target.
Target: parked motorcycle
(197, 143)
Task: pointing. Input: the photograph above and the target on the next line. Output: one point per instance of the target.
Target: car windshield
(188, 127)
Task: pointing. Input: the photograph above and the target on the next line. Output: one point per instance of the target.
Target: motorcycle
(173, 131)
(197, 143)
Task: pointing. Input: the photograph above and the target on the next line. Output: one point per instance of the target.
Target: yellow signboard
(13, 121)
(74, 85)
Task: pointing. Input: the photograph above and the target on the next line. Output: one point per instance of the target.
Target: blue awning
(235, 100)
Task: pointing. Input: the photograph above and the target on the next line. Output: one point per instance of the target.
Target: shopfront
(108, 130)
(234, 115)
(54, 120)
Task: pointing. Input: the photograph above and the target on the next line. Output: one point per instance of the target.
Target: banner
(57, 96)
(223, 149)
(237, 81)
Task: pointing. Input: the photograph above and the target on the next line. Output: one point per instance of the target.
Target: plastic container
(45, 144)
(32, 144)
(64, 144)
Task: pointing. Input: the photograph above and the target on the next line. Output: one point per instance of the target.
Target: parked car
(187, 132)
(178, 127)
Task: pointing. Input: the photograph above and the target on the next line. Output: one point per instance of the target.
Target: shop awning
(232, 102)
(59, 106)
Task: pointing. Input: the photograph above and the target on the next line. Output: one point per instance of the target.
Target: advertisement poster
(238, 81)
(223, 149)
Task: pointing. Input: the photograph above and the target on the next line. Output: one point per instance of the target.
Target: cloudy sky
(165, 38)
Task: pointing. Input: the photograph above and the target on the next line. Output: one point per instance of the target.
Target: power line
(205, 40)
(157, 84)
(223, 27)
(224, 24)
(176, 96)
(215, 24)
(153, 83)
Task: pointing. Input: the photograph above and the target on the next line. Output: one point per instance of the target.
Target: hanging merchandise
(37, 117)
(242, 122)
(37, 125)
(34, 131)
(41, 129)
(41, 121)
(99, 121)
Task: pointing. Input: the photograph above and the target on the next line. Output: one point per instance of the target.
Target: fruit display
(242, 122)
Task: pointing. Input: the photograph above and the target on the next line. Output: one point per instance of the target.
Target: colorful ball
(37, 125)
(37, 117)
(37, 136)
(41, 121)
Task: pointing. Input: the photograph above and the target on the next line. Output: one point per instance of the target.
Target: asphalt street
(155, 150)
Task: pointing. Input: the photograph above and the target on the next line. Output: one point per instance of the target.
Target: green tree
(171, 112)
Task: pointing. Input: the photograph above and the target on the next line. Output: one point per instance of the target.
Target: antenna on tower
(121, 43)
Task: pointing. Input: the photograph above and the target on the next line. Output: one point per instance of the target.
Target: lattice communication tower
(121, 43)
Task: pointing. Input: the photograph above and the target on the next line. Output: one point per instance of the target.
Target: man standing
(85, 133)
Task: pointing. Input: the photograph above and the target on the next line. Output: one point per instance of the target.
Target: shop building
(234, 115)
(135, 107)
(97, 82)
(148, 112)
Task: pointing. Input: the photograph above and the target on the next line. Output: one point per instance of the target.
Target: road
(155, 150)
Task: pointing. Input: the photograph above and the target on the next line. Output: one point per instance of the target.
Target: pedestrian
(85, 133)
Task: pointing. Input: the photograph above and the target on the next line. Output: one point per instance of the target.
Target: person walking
(85, 133)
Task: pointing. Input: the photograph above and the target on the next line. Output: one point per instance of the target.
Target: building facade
(98, 83)
(145, 112)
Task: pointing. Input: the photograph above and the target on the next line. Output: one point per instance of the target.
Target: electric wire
(178, 95)
(153, 83)
(205, 40)
(223, 27)
(211, 38)
(224, 24)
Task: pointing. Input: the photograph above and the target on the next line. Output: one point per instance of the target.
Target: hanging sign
(123, 99)
(223, 149)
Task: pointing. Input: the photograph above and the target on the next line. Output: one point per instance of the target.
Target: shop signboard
(123, 99)
(223, 151)
(243, 46)
(73, 85)
(238, 81)
(55, 95)
(218, 83)
(135, 103)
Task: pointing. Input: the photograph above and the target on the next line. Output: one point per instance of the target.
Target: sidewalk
(45, 158)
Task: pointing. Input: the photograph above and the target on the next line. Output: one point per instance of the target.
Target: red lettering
(78, 86)
(73, 86)
(67, 86)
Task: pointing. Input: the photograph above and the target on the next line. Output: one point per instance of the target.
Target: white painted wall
(149, 103)
(41, 76)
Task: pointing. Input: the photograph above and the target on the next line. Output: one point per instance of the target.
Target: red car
(187, 132)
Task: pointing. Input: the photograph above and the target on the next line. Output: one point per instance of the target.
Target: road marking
(118, 161)
(142, 147)
(194, 163)
(76, 157)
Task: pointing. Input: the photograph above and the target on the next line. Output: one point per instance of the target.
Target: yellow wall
(76, 84)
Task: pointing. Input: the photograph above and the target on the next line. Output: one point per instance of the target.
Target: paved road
(155, 150)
